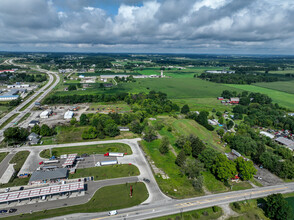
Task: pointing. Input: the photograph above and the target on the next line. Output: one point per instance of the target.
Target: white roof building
(271, 136)
(68, 115)
(45, 114)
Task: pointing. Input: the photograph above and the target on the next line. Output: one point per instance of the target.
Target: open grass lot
(88, 149)
(241, 186)
(70, 134)
(107, 172)
(176, 180)
(16, 182)
(212, 184)
(3, 110)
(3, 155)
(201, 214)
(187, 127)
(282, 98)
(19, 159)
(203, 104)
(119, 106)
(25, 117)
(283, 86)
(248, 211)
(109, 195)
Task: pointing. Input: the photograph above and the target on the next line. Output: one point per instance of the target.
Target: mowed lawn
(282, 98)
(107, 172)
(283, 86)
(88, 149)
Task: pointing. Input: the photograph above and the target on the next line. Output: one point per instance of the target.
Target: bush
(237, 205)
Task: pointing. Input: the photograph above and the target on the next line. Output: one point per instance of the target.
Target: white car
(113, 212)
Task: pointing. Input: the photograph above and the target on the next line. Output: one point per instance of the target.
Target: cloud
(255, 26)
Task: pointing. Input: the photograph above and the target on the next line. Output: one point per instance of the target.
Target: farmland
(285, 86)
(282, 98)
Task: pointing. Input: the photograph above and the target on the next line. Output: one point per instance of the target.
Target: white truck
(104, 163)
(50, 161)
(113, 154)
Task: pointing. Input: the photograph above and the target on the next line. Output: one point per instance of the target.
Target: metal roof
(70, 160)
(42, 191)
(60, 173)
(285, 141)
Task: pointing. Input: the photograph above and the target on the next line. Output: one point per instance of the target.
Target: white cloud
(151, 25)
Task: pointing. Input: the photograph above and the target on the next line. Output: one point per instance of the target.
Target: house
(49, 176)
(220, 98)
(33, 123)
(81, 76)
(234, 100)
(123, 128)
(33, 138)
(68, 115)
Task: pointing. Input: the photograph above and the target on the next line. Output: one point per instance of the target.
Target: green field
(203, 104)
(178, 185)
(201, 214)
(212, 184)
(283, 86)
(88, 149)
(107, 172)
(118, 107)
(109, 195)
(71, 134)
(282, 98)
(175, 88)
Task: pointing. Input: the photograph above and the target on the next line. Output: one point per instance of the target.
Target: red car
(40, 163)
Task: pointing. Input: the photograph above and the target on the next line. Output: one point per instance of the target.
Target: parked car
(12, 210)
(3, 211)
(21, 188)
(146, 180)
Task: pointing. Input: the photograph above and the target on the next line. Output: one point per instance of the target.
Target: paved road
(162, 208)
(5, 162)
(45, 89)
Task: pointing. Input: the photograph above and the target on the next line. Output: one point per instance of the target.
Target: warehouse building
(286, 142)
(49, 176)
(68, 115)
(45, 114)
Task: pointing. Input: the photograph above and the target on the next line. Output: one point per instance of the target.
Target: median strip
(9, 120)
(29, 103)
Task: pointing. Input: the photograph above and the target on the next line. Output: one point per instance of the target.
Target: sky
(149, 26)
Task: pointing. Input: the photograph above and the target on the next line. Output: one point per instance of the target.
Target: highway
(168, 207)
(44, 90)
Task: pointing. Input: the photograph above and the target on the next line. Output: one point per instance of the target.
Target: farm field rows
(282, 98)
(283, 86)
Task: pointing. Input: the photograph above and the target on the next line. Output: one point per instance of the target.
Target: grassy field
(201, 214)
(109, 195)
(177, 186)
(283, 86)
(212, 184)
(88, 149)
(175, 88)
(9, 120)
(19, 159)
(203, 104)
(282, 98)
(107, 172)
(248, 211)
(120, 107)
(70, 134)
(3, 155)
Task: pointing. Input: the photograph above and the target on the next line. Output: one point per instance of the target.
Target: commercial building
(286, 142)
(18, 86)
(41, 191)
(45, 114)
(49, 176)
(33, 123)
(271, 136)
(68, 115)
